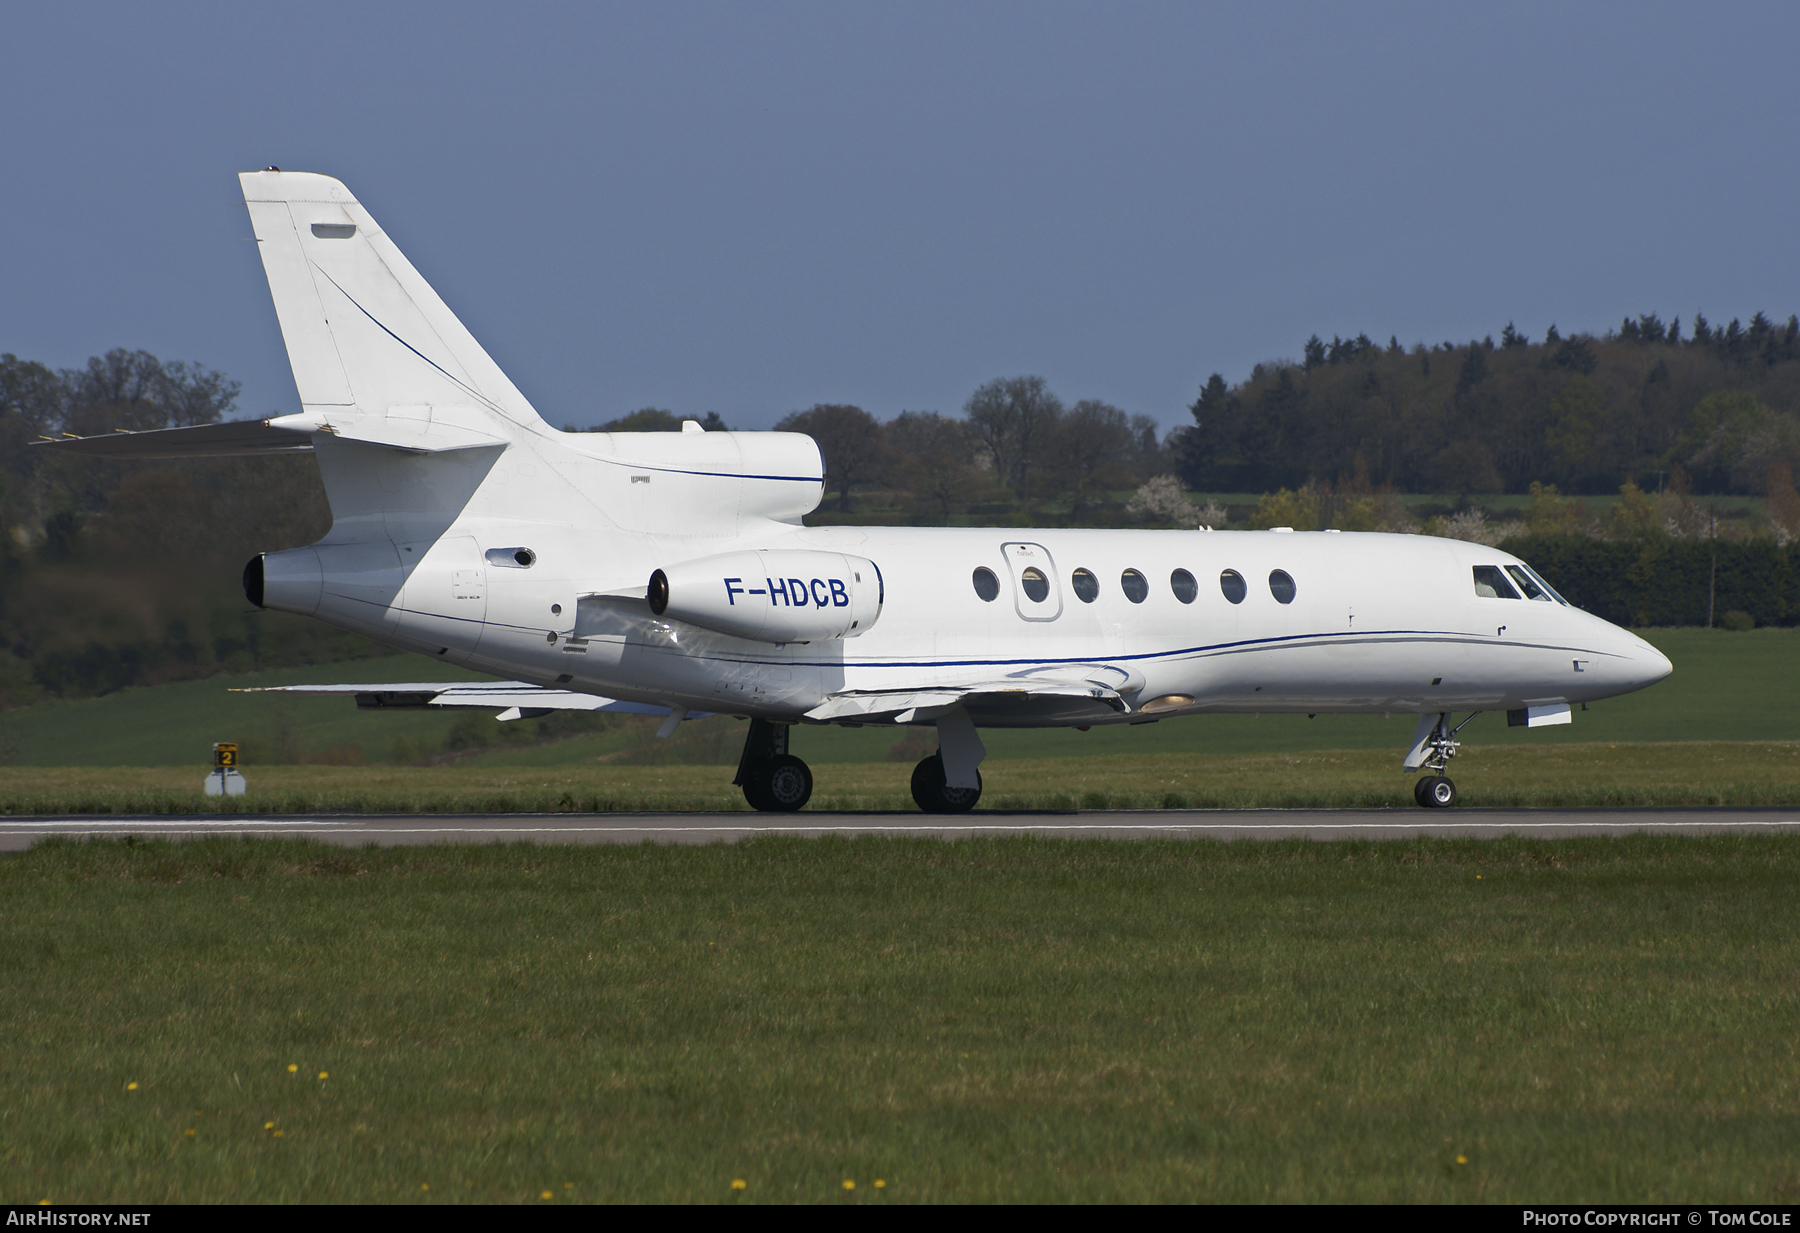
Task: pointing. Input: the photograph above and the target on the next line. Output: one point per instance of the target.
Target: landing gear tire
(933, 795)
(1435, 792)
(782, 784)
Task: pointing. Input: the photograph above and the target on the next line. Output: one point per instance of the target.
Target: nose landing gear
(1434, 744)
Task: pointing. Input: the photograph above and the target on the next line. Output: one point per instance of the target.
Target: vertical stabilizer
(365, 333)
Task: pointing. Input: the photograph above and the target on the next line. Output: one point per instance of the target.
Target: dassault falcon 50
(671, 573)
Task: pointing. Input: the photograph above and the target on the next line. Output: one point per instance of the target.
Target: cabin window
(1490, 583)
(1034, 584)
(1531, 589)
(1232, 584)
(1085, 585)
(986, 585)
(1135, 586)
(1281, 586)
(1182, 583)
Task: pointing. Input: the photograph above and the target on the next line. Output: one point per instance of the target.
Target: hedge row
(1669, 582)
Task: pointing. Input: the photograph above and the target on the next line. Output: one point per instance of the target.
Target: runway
(391, 830)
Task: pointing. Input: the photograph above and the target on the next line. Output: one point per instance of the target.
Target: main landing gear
(933, 795)
(1434, 744)
(773, 780)
(949, 781)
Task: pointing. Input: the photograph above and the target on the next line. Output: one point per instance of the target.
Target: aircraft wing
(1013, 697)
(515, 699)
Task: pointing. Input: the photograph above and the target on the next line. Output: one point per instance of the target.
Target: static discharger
(225, 779)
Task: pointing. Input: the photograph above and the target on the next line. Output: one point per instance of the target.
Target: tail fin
(364, 332)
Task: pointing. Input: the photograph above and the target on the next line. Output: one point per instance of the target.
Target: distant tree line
(1016, 446)
(1582, 412)
(116, 574)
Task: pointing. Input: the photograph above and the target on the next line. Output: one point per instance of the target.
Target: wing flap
(1016, 695)
(470, 695)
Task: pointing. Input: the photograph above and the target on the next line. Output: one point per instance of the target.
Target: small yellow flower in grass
(424, 1185)
(277, 1134)
(131, 1087)
(849, 1185)
(324, 1074)
(880, 1184)
(548, 1194)
(191, 1132)
(268, 1125)
(1462, 1160)
(738, 1183)
(292, 1067)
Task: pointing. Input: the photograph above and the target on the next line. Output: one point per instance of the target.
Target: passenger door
(1037, 590)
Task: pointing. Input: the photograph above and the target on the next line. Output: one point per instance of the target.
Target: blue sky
(752, 208)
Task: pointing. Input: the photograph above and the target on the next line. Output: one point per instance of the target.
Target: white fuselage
(1376, 623)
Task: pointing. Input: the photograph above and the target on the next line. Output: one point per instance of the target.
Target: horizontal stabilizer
(471, 695)
(198, 441)
(287, 434)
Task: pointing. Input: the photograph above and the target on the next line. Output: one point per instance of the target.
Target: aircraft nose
(1648, 665)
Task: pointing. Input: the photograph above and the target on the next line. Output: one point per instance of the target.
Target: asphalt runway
(391, 830)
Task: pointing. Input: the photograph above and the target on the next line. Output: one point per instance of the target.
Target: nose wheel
(1435, 792)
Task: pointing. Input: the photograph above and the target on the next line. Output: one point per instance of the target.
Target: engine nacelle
(772, 595)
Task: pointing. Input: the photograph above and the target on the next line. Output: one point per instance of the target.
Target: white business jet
(670, 573)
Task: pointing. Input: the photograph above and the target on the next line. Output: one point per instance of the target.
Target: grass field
(1689, 773)
(1003, 1020)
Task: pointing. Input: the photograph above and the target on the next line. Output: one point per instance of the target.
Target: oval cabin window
(1085, 585)
(986, 585)
(1281, 587)
(1231, 584)
(1182, 583)
(1034, 584)
(1135, 586)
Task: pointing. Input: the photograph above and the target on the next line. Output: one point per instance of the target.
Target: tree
(1092, 451)
(850, 439)
(931, 456)
(1160, 499)
(1202, 451)
(1299, 510)
(1474, 369)
(137, 391)
(1014, 418)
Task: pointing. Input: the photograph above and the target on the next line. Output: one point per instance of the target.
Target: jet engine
(772, 595)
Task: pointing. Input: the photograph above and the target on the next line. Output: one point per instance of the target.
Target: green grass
(1687, 774)
(1002, 1020)
(1726, 687)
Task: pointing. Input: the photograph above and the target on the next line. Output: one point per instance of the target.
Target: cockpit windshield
(1526, 584)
